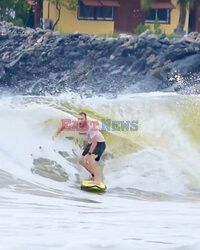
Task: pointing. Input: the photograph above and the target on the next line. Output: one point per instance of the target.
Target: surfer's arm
(66, 125)
(94, 143)
(58, 132)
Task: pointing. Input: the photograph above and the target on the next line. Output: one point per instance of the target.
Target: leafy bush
(157, 29)
(141, 28)
(174, 35)
(18, 22)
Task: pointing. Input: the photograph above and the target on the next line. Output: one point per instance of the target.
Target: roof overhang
(162, 5)
(101, 3)
(91, 2)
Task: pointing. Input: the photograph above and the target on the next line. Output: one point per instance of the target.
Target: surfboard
(87, 186)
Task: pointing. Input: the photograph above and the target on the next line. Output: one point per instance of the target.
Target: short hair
(83, 113)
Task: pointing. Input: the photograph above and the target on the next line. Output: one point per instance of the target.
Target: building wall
(69, 22)
(128, 16)
(169, 28)
(194, 22)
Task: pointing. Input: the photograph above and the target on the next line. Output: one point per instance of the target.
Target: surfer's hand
(86, 158)
(54, 137)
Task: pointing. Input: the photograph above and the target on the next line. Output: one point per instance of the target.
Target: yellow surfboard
(88, 186)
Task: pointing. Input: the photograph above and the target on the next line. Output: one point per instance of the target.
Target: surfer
(94, 149)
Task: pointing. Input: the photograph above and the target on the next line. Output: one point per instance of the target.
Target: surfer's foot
(92, 182)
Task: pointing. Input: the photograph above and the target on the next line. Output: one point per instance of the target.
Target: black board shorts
(99, 149)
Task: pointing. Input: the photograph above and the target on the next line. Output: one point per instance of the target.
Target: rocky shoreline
(42, 62)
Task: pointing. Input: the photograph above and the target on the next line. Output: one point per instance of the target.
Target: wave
(162, 156)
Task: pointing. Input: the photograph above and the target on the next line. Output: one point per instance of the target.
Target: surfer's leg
(83, 161)
(92, 167)
(86, 166)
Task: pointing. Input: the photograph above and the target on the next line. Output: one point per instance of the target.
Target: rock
(145, 33)
(151, 59)
(155, 44)
(59, 51)
(177, 53)
(192, 35)
(162, 36)
(112, 57)
(124, 61)
(141, 43)
(165, 41)
(48, 34)
(17, 60)
(106, 66)
(139, 65)
(127, 51)
(160, 74)
(191, 64)
(75, 55)
(6, 55)
(102, 60)
(156, 65)
(74, 36)
(53, 76)
(60, 39)
(39, 62)
(40, 40)
(149, 51)
(115, 72)
(2, 71)
(122, 35)
(198, 38)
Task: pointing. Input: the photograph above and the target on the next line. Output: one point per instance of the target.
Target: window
(151, 15)
(86, 12)
(104, 13)
(95, 13)
(162, 14)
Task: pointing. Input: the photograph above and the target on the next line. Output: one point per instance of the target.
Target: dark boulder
(191, 64)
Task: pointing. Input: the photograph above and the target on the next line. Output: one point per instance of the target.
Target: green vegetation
(157, 29)
(114, 35)
(184, 6)
(141, 28)
(174, 35)
(21, 12)
(15, 11)
(17, 22)
(5, 9)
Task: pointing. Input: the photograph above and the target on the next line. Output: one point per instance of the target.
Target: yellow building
(82, 20)
(168, 15)
(109, 16)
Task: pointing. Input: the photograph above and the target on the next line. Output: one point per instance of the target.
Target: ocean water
(152, 174)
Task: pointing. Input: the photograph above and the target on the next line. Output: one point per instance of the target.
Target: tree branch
(58, 8)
